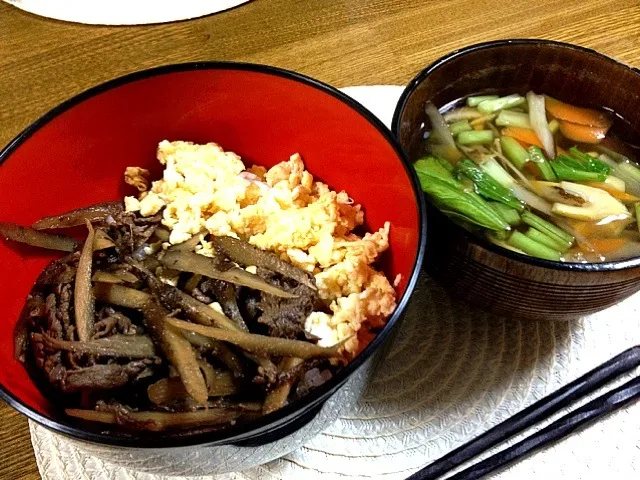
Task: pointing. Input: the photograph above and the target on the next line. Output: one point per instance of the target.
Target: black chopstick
(559, 429)
(544, 408)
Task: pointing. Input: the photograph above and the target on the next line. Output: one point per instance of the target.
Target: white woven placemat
(124, 12)
(452, 374)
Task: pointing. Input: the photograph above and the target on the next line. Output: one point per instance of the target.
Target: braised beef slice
(54, 369)
(113, 322)
(292, 375)
(169, 296)
(249, 305)
(54, 327)
(50, 311)
(155, 219)
(64, 293)
(62, 270)
(226, 295)
(201, 297)
(131, 232)
(285, 317)
(102, 377)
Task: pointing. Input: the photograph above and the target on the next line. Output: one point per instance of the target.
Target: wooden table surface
(342, 42)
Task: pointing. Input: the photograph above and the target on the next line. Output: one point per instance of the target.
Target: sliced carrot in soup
(522, 135)
(582, 133)
(607, 245)
(579, 115)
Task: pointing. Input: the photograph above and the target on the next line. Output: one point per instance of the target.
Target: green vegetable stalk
(492, 168)
(458, 127)
(536, 156)
(515, 152)
(487, 187)
(589, 163)
(550, 242)
(493, 105)
(478, 99)
(548, 228)
(573, 170)
(533, 248)
(473, 137)
(508, 118)
(510, 215)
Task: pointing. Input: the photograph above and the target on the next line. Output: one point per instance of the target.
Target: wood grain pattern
(342, 42)
(16, 452)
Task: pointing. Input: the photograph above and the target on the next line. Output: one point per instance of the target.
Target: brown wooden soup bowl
(471, 268)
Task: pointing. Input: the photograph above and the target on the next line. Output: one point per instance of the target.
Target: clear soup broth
(534, 175)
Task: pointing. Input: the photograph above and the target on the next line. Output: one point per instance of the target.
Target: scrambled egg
(284, 211)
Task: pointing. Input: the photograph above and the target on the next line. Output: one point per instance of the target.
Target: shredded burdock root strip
(191, 262)
(35, 238)
(226, 295)
(168, 390)
(125, 346)
(192, 283)
(174, 299)
(127, 277)
(178, 350)
(269, 369)
(102, 241)
(221, 351)
(84, 302)
(106, 277)
(74, 218)
(246, 254)
(175, 345)
(261, 343)
(121, 296)
(158, 421)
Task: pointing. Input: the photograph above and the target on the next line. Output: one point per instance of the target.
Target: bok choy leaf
(449, 195)
(568, 169)
(487, 187)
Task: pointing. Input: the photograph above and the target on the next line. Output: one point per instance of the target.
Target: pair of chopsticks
(539, 411)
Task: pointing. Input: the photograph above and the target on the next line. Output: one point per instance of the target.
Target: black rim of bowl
(240, 432)
(538, 262)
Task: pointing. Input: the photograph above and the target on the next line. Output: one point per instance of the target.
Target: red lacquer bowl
(76, 155)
